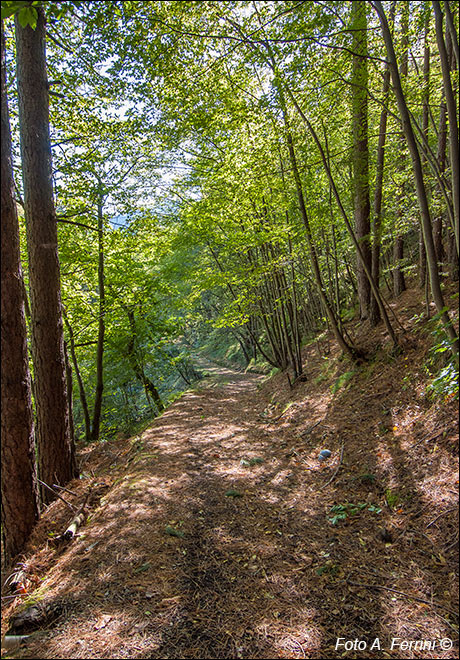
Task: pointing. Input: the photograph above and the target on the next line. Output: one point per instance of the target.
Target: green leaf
(8, 11)
(10, 8)
(28, 16)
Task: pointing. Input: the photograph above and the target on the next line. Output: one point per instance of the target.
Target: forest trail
(193, 549)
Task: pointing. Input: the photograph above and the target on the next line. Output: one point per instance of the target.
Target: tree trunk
(55, 454)
(374, 311)
(452, 114)
(81, 387)
(425, 129)
(441, 158)
(20, 507)
(452, 32)
(137, 366)
(69, 381)
(399, 282)
(361, 152)
(351, 351)
(373, 285)
(419, 181)
(101, 329)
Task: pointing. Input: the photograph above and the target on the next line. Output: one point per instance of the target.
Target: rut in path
(260, 575)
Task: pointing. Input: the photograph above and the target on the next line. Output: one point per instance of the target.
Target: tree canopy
(236, 178)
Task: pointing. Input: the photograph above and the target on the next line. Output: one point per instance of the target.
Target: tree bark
(374, 311)
(441, 159)
(452, 31)
(361, 152)
(373, 285)
(419, 181)
(399, 281)
(20, 506)
(137, 367)
(425, 129)
(452, 115)
(81, 387)
(95, 428)
(55, 454)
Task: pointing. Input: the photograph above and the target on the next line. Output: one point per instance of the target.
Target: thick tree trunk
(361, 152)
(55, 454)
(419, 181)
(20, 508)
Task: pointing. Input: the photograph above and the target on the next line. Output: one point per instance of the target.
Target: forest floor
(193, 550)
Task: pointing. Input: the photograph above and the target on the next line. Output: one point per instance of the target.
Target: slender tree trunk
(361, 152)
(257, 345)
(350, 350)
(69, 381)
(20, 507)
(441, 158)
(95, 427)
(452, 115)
(399, 281)
(81, 387)
(336, 264)
(55, 453)
(374, 311)
(453, 258)
(425, 129)
(373, 285)
(137, 366)
(152, 390)
(312, 251)
(419, 181)
(452, 31)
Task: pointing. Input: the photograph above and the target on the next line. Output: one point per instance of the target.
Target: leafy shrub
(441, 364)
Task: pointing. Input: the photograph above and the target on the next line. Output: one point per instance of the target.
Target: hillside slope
(217, 533)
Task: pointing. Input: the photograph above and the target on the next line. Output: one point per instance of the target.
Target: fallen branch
(57, 494)
(426, 437)
(74, 524)
(72, 528)
(71, 492)
(310, 429)
(12, 642)
(336, 470)
(402, 593)
(440, 515)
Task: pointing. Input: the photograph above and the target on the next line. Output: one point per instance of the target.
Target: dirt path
(256, 568)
